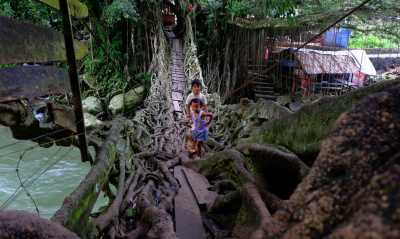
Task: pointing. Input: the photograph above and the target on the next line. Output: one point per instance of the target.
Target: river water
(52, 174)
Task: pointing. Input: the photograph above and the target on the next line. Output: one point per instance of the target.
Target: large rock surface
(127, 101)
(237, 121)
(353, 189)
(270, 110)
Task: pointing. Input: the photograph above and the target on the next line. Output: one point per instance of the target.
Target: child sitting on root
(200, 124)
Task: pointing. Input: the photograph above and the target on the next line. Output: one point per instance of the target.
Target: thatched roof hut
(314, 62)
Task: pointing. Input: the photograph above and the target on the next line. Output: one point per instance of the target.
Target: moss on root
(303, 131)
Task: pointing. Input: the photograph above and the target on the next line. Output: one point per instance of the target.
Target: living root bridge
(145, 185)
(135, 156)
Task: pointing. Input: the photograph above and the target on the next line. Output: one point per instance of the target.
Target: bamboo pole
(73, 75)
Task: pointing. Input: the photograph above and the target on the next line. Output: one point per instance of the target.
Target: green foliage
(107, 67)
(371, 41)
(119, 10)
(110, 69)
(145, 79)
(274, 8)
(211, 4)
(76, 8)
(258, 9)
(29, 10)
(7, 65)
(238, 8)
(5, 9)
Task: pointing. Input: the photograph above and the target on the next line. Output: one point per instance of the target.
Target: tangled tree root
(353, 183)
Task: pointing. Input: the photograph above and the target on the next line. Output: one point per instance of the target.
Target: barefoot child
(199, 124)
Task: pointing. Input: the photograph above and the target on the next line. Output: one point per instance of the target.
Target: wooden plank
(76, 8)
(177, 96)
(30, 82)
(179, 89)
(177, 106)
(22, 42)
(179, 80)
(199, 185)
(178, 76)
(179, 84)
(188, 221)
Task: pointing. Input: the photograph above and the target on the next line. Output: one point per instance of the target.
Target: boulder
(270, 110)
(92, 105)
(296, 106)
(91, 121)
(284, 99)
(127, 101)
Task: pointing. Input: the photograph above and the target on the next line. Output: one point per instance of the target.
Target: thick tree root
(263, 154)
(268, 225)
(112, 213)
(84, 197)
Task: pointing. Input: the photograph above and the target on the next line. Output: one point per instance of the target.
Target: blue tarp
(288, 63)
(337, 37)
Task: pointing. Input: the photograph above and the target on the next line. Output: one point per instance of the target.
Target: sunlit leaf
(77, 9)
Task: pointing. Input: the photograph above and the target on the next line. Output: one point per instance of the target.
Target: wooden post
(73, 75)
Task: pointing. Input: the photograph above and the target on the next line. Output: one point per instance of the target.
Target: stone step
(264, 86)
(267, 97)
(264, 92)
